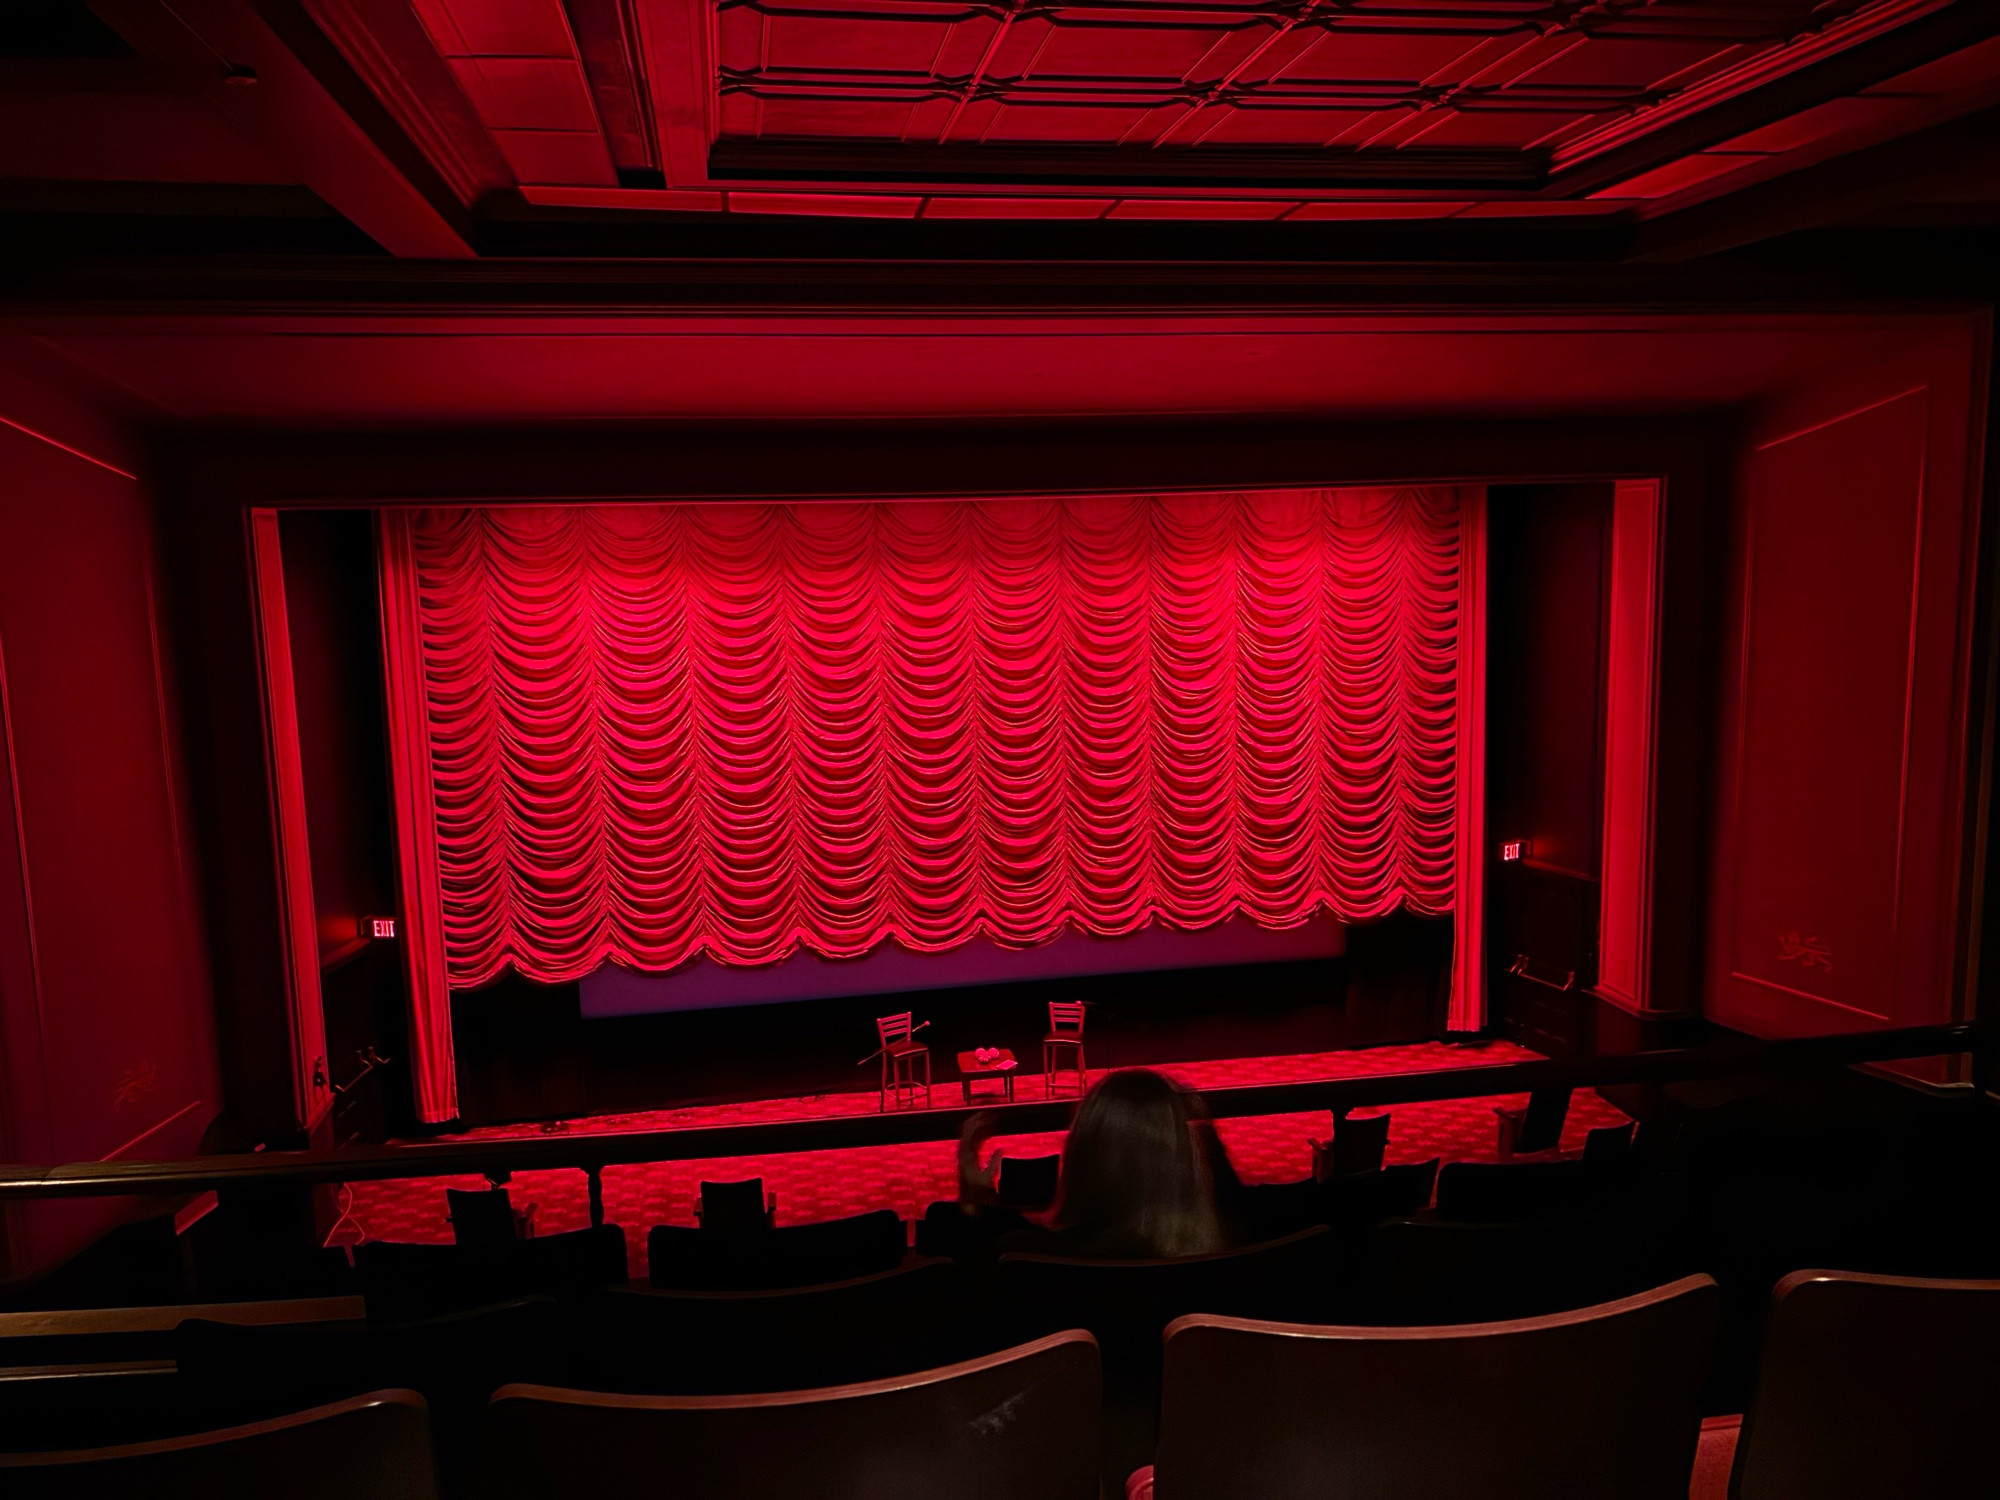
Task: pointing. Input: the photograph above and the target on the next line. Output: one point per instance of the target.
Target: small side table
(999, 1067)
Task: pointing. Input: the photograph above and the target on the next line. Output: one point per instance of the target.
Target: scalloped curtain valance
(641, 733)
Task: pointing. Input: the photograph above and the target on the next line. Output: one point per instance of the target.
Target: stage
(816, 1185)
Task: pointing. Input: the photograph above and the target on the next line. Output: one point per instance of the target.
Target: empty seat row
(1386, 1262)
(1868, 1386)
(402, 1279)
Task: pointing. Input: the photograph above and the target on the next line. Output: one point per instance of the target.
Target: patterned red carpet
(828, 1184)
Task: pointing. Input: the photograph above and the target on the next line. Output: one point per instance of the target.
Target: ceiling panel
(1125, 108)
(519, 64)
(1499, 78)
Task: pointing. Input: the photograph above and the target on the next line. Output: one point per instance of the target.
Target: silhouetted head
(1133, 1172)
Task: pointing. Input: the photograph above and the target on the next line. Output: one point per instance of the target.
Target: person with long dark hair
(1139, 1173)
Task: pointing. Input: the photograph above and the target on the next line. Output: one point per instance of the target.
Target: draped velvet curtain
(643, 733)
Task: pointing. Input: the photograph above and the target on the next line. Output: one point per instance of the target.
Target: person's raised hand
(977, 1179)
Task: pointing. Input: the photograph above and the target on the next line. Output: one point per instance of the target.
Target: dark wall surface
(330, 603)
(1547, 592)
(333, 613)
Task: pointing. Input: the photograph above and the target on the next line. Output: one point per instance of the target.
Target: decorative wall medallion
(135, 1084)
(1809, 952)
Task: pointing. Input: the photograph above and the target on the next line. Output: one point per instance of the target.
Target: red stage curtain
(434, 1069)
(657, 731)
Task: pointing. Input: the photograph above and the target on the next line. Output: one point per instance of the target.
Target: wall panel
(1838, 831)
(104, 1007)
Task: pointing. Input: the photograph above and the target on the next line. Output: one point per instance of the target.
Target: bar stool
(1065, 1031)
(900, 1054)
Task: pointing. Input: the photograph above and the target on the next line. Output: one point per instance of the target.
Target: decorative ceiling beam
(227, 51)
(392, 59)
(1950, 163)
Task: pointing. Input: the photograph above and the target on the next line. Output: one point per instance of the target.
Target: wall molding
(1625, 904)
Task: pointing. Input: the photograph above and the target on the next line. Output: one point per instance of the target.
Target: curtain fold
(651, 732)
(433, 1064)
(1465, 1009)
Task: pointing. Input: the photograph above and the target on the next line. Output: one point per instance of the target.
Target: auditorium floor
(816, 1185)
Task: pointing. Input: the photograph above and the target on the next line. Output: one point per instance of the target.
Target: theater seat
(1128, 1303)
(1367, 1198)
(1423, 1270)
(247, 1372)
(1271, 1210)
(1477, 1190)
(737, 1207)
(1018, 1425)
(1870, 1386)
(949, 1228)
(712, 1343)
(375, 1445)
(800, 1255)
(414, 1281)
(1028, 1183)
(1601, 1402)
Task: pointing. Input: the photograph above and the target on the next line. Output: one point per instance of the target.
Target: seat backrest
(480, 1218)
(894, 1029)
(1066, 1017)
(1657, 1141)
(400, 1281)
(1029, 1181)
(245, 1372)
(1425, 1270)
(1542, 1129)
(1873, 1385)
(1269, 1210)
(1599, 1402)
(376, 1445)
(732, 1206)
(870, 1327)
(965, 1232)
(1362, 1198)
(1359, 1143)
(1127, 1302)
(799, 1255)
(1019, 1425)
(1407, 1187)
(1608, 1145)
(573, 1261)
(1478, 1190)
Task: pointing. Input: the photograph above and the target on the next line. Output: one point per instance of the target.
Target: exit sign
(1513, 850)
(381, 927)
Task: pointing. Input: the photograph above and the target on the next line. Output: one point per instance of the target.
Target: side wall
(106, 1029)
(1846, 699)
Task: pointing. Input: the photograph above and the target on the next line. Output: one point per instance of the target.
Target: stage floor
(813, 1185)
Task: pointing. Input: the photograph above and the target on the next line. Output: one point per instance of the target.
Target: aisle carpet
(828, 1184)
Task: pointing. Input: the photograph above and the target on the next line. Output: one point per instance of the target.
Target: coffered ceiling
(426, 122)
